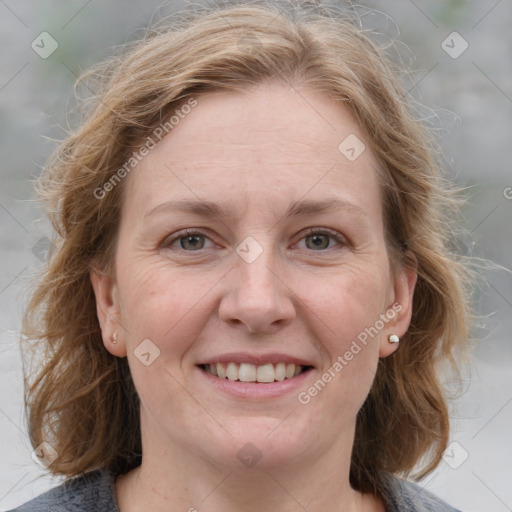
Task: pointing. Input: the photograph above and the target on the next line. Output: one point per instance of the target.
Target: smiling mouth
(246, 372)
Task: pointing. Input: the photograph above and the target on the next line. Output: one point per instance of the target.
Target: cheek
(162, 304)
(343, 383)
(167, 307)
(347, 303)
(346, 309)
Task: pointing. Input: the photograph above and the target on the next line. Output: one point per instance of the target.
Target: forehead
(273, 141)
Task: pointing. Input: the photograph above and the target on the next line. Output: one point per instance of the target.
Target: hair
(82, 399)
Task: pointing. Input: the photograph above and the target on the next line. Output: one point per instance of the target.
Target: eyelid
(342, 240)
(174, 237)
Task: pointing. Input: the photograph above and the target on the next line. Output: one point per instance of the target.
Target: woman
(254, 287)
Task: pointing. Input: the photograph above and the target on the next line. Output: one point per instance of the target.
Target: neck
(191, 483)
(177, 475)
(228, 491)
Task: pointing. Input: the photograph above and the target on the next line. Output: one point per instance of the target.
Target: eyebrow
(211, 209)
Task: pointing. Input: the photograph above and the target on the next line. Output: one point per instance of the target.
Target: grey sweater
(95, 492)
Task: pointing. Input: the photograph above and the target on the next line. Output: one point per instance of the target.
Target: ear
(401, 304)
(108, 311)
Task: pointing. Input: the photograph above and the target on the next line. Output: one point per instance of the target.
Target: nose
(257, 297)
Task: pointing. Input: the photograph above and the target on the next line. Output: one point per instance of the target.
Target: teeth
(246, 372)
(221, 371)
(265, 373)
(280, 371)
(232, 371)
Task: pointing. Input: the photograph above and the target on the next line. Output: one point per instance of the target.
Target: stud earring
(113, 338)
(393, 338)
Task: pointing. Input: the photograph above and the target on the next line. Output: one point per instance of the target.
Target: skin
(255, 153)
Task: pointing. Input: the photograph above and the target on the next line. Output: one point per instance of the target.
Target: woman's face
(252, 242)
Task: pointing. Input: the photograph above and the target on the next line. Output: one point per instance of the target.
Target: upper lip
(256, 359)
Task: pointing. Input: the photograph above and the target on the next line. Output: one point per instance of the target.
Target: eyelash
(309, 232)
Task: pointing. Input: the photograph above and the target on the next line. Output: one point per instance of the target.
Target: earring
(113, 338)
(393, 338)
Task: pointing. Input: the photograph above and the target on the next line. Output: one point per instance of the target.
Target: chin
(260, 443)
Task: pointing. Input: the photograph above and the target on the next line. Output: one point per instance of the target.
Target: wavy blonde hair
(82, 399)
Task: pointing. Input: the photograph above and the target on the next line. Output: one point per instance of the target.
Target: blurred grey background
(460, 56)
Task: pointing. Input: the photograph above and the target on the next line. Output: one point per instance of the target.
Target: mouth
(248, 372)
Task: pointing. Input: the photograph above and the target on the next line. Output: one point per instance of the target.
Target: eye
(189, 241)
(320, 239)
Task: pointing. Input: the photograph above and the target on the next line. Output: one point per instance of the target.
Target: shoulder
(91, 491)
(405, 496)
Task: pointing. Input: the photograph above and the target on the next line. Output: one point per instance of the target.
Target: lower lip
(257, 390)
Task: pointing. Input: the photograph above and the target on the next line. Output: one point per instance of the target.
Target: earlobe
(401, 308)
(107, 309)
